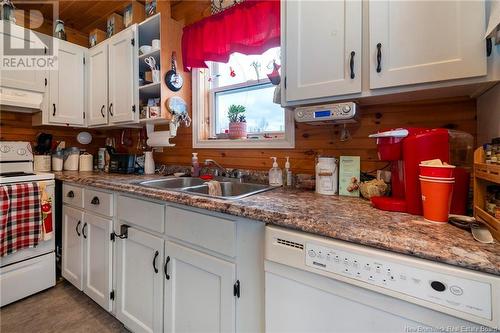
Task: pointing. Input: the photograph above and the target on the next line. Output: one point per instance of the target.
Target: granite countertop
(343, 218)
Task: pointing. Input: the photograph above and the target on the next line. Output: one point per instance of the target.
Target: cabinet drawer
(72, 195)
(98, 202)
(147, 214)
(208, 231)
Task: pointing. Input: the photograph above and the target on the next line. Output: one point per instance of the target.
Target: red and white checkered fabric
(20, 217)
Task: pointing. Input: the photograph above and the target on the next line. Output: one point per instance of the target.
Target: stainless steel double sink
(232, 188)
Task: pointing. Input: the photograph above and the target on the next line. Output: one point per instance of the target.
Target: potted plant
(237, 122)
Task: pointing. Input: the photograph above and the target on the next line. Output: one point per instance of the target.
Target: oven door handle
(76, 228)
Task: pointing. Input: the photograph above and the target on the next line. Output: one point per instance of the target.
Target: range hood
(20, 100)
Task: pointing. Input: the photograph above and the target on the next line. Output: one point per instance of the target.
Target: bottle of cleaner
(275, 174)
(287, 177)
(195, 166)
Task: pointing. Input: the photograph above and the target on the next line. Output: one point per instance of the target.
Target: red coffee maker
(405, 148)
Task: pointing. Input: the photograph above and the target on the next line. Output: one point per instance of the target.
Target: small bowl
(440, 171)
(145, 49)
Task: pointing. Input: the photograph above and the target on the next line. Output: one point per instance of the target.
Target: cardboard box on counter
(349, 175)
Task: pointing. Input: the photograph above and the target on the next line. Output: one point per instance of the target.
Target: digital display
(320, 114)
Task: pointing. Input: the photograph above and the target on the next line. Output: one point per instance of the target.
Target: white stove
(16, 163)
(29, 270)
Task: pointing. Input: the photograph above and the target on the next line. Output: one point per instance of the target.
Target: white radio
(339, 113)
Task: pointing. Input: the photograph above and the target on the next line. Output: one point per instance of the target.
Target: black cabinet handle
(351, 64)
(102, 111)
(379, 57)
(110, 110)
(71, 194)
(95, 201)
(83, 230)
(489, 46)
(77, 225)
(154, 261)
(165, 268)
(53, 109)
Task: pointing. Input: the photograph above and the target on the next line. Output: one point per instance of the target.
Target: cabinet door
(322, 37)
(98, 259)
(122, 91)
(72, 246)
(17, 37)
(139, 293)
(199, 292)
(98, 84)
(424, 41)
(67, 85)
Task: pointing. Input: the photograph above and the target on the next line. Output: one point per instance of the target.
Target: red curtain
(251, 27)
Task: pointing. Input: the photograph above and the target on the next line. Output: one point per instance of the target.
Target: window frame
(203, 111)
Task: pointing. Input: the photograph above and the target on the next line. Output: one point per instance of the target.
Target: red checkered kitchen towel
(20, 217)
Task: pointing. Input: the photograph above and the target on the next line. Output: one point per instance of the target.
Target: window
(242, 81)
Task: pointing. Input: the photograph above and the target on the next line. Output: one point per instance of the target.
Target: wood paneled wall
(17, 127)
(311, 141)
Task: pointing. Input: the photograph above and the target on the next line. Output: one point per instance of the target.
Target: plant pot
(237, 130)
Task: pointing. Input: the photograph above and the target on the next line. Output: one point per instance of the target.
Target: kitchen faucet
(224, 172)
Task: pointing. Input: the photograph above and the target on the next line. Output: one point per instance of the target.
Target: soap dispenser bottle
(275, 174)
(195, 166)
(287, 176)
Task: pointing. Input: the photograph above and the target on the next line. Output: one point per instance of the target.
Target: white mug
(155, 43)
(155, 73)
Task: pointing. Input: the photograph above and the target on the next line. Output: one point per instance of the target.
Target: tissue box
(349, 175)
(114, 24)
(96, 36)
(134, 13)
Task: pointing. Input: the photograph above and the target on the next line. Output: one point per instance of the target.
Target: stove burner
(15, 174)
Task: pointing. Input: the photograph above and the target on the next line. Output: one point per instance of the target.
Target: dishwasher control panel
(469, 296)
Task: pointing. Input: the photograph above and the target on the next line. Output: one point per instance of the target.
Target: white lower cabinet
(87, 257)
(198, 293)
(72, 246)
(139, 290)
(98, 254)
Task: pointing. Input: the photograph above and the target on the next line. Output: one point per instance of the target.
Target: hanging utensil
(173, 80)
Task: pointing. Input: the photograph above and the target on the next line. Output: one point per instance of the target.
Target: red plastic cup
(444, 171)
(437, 178)
(436, 199)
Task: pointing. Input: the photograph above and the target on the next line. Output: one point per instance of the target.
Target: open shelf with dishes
(486, 177)
(149, 64)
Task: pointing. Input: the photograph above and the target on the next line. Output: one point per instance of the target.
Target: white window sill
(244, 144)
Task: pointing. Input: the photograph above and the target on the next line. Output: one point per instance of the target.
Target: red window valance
(251, 27)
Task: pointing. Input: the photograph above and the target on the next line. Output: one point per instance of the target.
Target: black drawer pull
(83, 230)
(76, 228)
(95, 201)
(110, 109)
(154, 261)
(379, 57)
(351, 64)
(71, 194)
(102, 111)
(53, 109)
(165, 268)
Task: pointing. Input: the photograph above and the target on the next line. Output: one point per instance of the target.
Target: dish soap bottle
(195, 166)
(287, 177)
(275, 174)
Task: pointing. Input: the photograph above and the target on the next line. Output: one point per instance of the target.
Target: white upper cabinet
(122, 74)
(322, 46)
(16, 37)
(423, 41)
(67, 85)
(98, 85)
